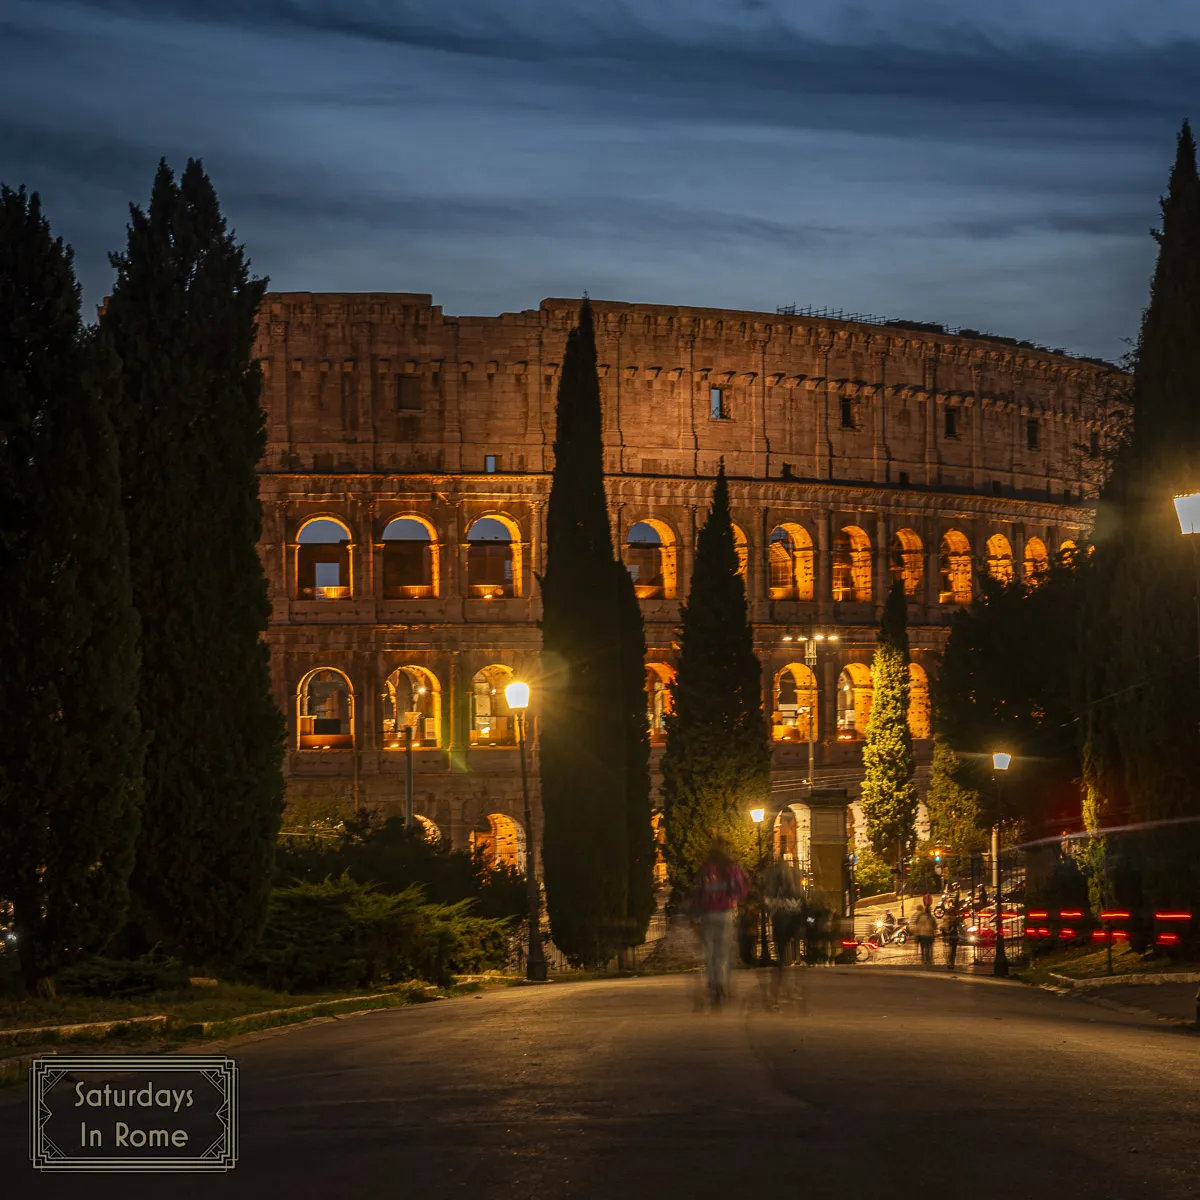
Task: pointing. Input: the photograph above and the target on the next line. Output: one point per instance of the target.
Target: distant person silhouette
(720, 886)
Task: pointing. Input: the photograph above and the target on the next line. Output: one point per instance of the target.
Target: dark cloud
(992, 169)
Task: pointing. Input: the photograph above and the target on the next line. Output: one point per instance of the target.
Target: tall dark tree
(717, 762)
(585, 751)
(1140, 692)
(71, 756)
(182, 321)
(889, 796)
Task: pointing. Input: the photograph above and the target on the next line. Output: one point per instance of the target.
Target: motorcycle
(887, 935)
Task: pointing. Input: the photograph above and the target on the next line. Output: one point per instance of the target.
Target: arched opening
(954, 562)
(650, 559)
(325, 711)
(492, 721)
(852, 565)
(411, 699)
(499, 841)
(790, 562)
(906, 558)
(742, 546)
(491, 560)
(659, 677)
(854, 702)
(1037, 561)
(1067, 552)
(918, 702)
(794, 718)
(432, 833)
(660, 857)
(792, 839)
(999, 558)
(410, 560)
(323, 561)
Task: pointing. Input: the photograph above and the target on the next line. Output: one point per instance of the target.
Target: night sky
(995, 165)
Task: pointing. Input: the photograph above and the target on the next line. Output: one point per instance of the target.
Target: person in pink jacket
(720, 886)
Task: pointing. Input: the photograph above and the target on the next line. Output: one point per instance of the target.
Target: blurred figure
(925, 927)
(952, 931)
(720, 887)
(783, 895)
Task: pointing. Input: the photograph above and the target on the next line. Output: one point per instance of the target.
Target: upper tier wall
(375, 382)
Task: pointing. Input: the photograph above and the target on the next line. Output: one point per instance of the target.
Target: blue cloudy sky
(996, 165)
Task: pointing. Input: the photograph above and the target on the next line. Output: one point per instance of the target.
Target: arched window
(410, 560)
(492, 721)
(1037, 561)
(790, 561)
(323, 561)
(411, 699)
(742, 546)
(918, 701)
(907, 561)
(1066, 553)
(659, 677)
(999, 558)
(325, 711)
(794, 718)
(432, 833)
(660, 857)
(499, 841)
(491, 573)
(955, 569)
(854, 702)
(650, 559)
(852, 565)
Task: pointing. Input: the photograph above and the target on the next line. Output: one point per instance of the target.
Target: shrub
(872, 875)
(115, 978)
(339, 933)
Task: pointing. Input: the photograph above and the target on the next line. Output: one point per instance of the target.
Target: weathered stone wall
(379, 406)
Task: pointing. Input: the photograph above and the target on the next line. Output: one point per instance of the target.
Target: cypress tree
(182, 321)
(640, 897)
(717, 761)
(585, 752)
(71, 757)
(953, 809)
(1139, 673)
(889, 796)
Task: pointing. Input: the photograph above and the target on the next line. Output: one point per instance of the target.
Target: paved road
(863, 1084)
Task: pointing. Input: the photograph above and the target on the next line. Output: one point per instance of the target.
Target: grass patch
(1084, 962)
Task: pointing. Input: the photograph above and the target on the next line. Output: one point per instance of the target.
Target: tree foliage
(717, 763)
(953, 809)
(594, 769)
(889, 795)
(182, 322)
(71, 757)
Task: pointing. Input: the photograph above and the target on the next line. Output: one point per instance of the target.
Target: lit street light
(764, 954)
(813, 643)
(1187, 509)
(1000, 762)
(517, 695)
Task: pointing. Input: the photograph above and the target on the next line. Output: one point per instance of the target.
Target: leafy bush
(872, 874)
(395, 858)
(120, 978)
(339, 933)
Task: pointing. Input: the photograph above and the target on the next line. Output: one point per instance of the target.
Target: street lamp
(517, 695)
(1187, 509)
(764, 954)
(1000, 762)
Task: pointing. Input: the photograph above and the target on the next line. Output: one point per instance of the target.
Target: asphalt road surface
(863, 1083)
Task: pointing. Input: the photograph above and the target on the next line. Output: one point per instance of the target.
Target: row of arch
(411, 699)
(412, 568)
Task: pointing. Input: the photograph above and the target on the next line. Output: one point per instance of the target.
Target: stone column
(882, 581)
(823, 565)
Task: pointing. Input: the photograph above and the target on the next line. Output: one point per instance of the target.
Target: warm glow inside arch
(742, 546)
(855, 692)
(650, 559)
(918, 702)
(492, 721)
(411, 559)
(794, 715)
(659, 677)
(955, 568)
(411, 698)
(325, 711)
(852, 565)
(1037, 561)
(499, 841)
(907, 561)
(323, 560)
(999, 558)
(790, 562)
(494, 558)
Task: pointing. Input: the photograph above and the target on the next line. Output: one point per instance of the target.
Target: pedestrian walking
(720, 887)
(782, 888)
(925, 927)
(952, 932)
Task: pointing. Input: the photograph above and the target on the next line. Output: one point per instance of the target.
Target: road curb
(1146, 980)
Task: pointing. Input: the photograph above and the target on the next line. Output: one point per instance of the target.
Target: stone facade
(876, 449)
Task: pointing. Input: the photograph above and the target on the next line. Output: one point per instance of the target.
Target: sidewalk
(1173, 1001)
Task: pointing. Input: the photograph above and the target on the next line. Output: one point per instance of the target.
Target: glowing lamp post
(1187, 509)
(517, 696)
(1000, 762)
(764, 954)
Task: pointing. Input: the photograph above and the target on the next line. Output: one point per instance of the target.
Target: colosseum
(405, 485)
